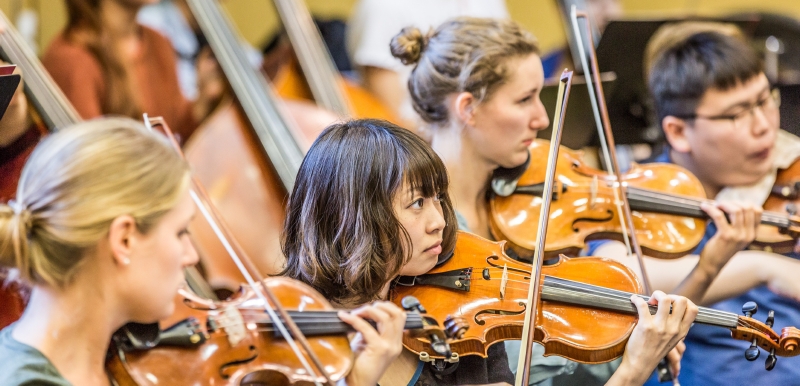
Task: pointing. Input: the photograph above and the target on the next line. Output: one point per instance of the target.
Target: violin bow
(603, 123)
(607, 143)
(534, 291)
(247, 267)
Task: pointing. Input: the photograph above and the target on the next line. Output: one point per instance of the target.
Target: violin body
(784, 198)
(584, 208)
(234, 352)
(566, 330)
(585, 313)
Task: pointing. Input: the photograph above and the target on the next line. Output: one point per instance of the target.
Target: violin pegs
(771, 360)
(770, 319)
(411, 303)
(749, 309)
(752, 353)
(455, 328)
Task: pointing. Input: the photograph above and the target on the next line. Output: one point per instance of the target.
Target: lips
(761, 155)
(527, 142)
(435, 248)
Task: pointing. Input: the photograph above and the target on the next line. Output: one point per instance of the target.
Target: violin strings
(704, 314)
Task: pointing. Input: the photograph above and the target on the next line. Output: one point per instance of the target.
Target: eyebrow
(745, 103)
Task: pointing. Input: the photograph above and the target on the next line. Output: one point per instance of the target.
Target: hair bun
(408, 45)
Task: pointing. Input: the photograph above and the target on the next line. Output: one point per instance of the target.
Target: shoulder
(63, 50)
(155, 39)
(21, 364)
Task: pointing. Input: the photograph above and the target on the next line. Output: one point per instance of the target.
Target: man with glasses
(721, 121)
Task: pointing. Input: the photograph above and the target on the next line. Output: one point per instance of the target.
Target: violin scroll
(761, 335)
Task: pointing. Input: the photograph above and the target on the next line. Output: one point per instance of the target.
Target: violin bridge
(504, 281)
(231, 321)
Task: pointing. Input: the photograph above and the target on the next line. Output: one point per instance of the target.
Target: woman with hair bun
(98, 228)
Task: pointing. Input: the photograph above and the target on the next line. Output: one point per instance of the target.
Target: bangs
(425, 172)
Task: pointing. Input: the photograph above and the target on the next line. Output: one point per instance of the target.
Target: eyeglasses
(744, 118)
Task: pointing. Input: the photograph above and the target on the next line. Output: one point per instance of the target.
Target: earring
(125, 260)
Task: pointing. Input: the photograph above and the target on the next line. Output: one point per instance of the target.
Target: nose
(191, 257)
(436, 221)
(761, 121)
(539, 120)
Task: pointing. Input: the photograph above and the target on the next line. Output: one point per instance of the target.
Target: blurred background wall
(258, 21)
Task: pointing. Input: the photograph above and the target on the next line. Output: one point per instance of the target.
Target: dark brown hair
(341, 234)
(685, 60)
(84, 16)
(463, 54)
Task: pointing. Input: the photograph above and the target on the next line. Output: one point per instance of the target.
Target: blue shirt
(713, 358)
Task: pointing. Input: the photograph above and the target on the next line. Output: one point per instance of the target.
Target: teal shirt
(21, 364)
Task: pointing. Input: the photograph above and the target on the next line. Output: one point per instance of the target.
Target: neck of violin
(651, 201)
(316, 323)
(571, 292)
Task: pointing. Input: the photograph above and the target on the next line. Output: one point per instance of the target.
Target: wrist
(628, 374)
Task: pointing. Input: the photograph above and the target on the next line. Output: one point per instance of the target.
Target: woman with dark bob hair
(371, 203)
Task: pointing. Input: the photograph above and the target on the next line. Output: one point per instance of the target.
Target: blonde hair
(76, 182)
(465, 54)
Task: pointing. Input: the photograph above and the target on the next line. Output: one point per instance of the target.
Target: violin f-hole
(224, 369)
(608, 217)
(479, 321)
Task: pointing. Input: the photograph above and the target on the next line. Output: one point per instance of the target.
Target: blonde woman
(99, 229)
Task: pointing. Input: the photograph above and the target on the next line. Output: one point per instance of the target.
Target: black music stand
(579, 123)
(8, 86)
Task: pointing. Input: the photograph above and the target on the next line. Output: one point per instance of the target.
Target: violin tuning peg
(749, 309)
(771, 360)
(770, 319)
(455, 328)
(411, 303)
(752, 352)
(791, 208)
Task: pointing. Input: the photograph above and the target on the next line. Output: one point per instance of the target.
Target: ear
(675, 130)
(463, 105)
(120, 238)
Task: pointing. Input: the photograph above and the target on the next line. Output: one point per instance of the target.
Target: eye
(525, 100)
(183, 232)
(439, 197)
(417, 204)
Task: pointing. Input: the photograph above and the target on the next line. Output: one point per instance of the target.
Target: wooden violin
(665, 200)
(235, 342)
(585, 314)
(784, 198)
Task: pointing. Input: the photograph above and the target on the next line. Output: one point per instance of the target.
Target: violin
(784, 198)
(234, 342)
(585, 313)
(665, 200)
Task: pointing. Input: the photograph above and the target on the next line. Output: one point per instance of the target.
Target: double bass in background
(308, 72)
(42, 108)
(247, 153)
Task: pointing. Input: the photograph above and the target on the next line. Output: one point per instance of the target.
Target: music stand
(579, 124)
